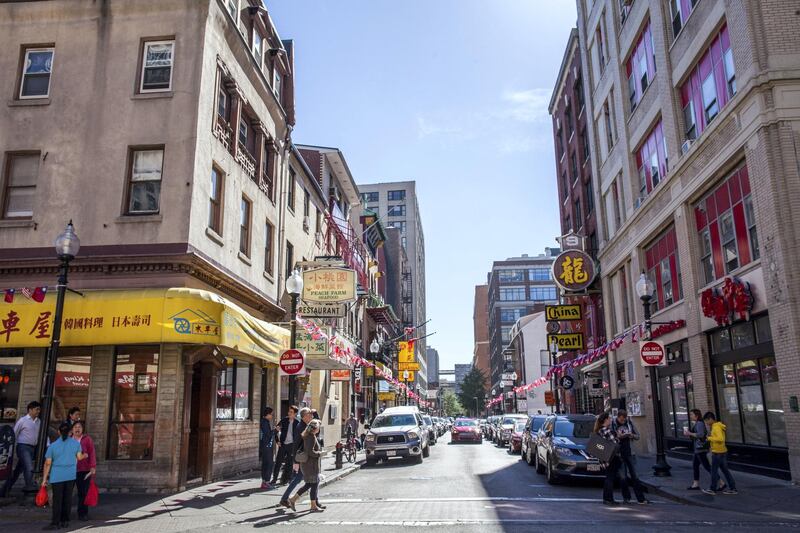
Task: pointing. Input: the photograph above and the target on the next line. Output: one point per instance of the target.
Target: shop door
(201, 419)
(193, 471)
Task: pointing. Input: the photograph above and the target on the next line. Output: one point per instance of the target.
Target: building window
(511, 314)
(289, 258)
(726, 226)
(269, 242)
(546, 294)
(585, 145)
(506, 276)
(399, 224)
(505, 334)
(37, 65)
(224, 103)
(616, 205)
(21, 176)
(512, 294)
(157, 61)
(539, 274)
(640, 67)
(701, 90)
(216, 200)
(589, 197)
(290, 187)
(307, 204)
(133, 403)
(318, 223)
(234, 388)
(651, 160)
(396, 196)
(144, 181)
(680, 11)
(10, 381)
(257, 40)
(601, 47)
(277, 84)
(663, 267)
(369, 197)
(579, 94)
(573, 166)
(560, 141)
(626, 308)
(73, 370)
(578, 213)
(609, 121)
(244, 226)
(564, 186)
(397, 210)
(568, 120)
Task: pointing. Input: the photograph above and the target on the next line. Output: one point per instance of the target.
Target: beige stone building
(694, 117)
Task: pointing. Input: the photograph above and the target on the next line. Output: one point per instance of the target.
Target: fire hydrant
(338, 453)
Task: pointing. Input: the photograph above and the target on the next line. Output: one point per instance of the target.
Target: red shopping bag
(91, 495)
(41, 497)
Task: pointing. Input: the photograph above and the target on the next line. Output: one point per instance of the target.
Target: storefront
(676, 392)
(166, 379)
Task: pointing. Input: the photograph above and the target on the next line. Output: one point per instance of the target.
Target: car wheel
(418, 458)
(551, 476)
(426, 451)
(371, 462)
(539, 467)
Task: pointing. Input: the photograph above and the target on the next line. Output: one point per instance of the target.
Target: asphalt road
(474, 488)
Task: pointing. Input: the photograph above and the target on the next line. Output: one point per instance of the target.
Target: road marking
(474, 499)
(523, 521)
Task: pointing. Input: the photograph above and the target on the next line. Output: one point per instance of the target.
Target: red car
(466, 430)
(516, 437)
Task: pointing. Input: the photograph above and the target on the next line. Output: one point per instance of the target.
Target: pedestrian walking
(698, 433)
(626, 432)
(60, 468)
(305, 418)
(719, 456)
(310, 466)
(267, 447)
(26, 435)
(73, 416)
(602, 426)
(287, 445)
(86, 467)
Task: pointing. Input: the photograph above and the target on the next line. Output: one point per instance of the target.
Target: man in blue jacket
(267, 447)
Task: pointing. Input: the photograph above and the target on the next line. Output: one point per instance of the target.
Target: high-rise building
(433, 368)
(397, 206)
(694, 117)
(518, 286)
(460, 372)
(480, 329)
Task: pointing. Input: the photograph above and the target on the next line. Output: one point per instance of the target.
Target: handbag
(91, 495)
(301, 456)
(601, 448)
(41, 497)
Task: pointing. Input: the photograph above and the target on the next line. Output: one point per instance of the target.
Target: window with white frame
(157, 62)
(37, 66)
(21, 175)
(144, 192)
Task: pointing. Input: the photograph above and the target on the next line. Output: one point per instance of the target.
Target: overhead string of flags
(346, 356)
(36, 294)
(633, 334)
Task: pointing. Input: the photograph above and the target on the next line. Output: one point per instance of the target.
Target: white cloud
(527, 106)
(428, 128)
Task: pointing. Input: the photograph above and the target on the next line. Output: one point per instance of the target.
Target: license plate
(390, 453)
(593, 468)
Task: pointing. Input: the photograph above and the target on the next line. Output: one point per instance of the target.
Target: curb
(344, 472)
(655, 489)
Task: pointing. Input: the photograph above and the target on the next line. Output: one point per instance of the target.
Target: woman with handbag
(310, 459)
(60, 467)
(602, 427)
(86, 467)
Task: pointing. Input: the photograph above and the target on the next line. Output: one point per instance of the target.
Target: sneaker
(693, 487)
(610, 502)
(644, 502)
(709, 491)
(730, 491)
(265, 485)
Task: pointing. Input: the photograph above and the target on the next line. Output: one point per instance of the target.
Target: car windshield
(520, 427)
(427, 420)
(394, 420)
(465, 423)
(536, 424)
(581, 429)
(510, 421)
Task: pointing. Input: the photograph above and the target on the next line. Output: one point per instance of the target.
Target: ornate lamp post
(645, 289)
(374, 348)
(294, 286)
(67, 245)
(553, 384)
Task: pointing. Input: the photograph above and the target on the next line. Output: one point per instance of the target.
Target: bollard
(338, 453)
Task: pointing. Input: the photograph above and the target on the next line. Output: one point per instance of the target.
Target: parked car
(441, 427)
(397, 432)
(506, 427)
(491, 427)
(466, 430)
(433, 436)
(561, 448)
(515, 445)
(529, 437)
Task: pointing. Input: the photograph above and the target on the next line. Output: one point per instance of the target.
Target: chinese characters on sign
(329, 285)
(574, 270)
(43, 322)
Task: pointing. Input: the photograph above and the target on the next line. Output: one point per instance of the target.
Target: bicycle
(350, 449)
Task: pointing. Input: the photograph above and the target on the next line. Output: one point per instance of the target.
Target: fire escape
(407, 299)
(343, 241)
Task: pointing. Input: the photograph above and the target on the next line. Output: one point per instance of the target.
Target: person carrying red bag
(60, 465)
(86, 468)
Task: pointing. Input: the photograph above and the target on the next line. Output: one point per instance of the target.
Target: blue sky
(452, 94)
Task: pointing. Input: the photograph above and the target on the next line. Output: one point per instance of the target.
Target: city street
(475, 488)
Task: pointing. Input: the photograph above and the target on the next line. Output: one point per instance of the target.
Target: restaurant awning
(110, 317)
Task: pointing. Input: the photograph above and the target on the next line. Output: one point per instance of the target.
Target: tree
(473, 387)
(450, 404)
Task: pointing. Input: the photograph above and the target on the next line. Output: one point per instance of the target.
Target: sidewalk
(230, 496)
(763, 495)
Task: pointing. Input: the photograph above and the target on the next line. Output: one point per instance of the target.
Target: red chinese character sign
(733, 300)
(293, 363)
(574, 270)
(652, 353)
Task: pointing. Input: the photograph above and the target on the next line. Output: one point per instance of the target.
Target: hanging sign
(567, 382)
(652, 353)
(574, 270)
(340, 375)
(566, 341)
(549, 398)
(563, 312)
(329, 285)
(323, 310)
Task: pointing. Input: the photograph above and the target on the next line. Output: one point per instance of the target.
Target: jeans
(298, 477)
(698, 460)
(62, 501)
(286, 459)
(267, 463)
(25, 453)
(314, 487)
(83, 487)
(628, 470)
(719, 461)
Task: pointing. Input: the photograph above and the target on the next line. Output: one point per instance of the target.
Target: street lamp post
(375, 348)
(494, 393)
(476, 407)
(67, 246)
(553, 384)
(645, 289)
(294, 286)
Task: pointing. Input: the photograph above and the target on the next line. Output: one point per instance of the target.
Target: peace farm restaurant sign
(329, 285)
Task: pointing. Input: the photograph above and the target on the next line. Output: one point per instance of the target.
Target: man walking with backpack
(719, 456)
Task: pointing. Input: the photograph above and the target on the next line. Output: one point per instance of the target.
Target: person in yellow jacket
(719, 456)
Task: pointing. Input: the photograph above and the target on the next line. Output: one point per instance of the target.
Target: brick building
(480, 332)
(693, 111)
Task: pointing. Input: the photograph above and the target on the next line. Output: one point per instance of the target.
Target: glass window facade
(10, 376)
(506, 276)
(234, 390)
(72, 383)
(133, 404)
(543, 293)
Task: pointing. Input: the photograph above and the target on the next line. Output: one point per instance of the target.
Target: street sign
(553, 327)
(562, 312)
(567, 382)
(567, 341)
(414, 367)
(549, 398)
(512, 376)
(327, 284)
(340, 375)
(574, 270)
(292, 363)
(652, 353)
(323, 310)
(405, 352)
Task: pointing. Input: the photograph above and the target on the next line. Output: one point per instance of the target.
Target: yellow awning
(109, 317)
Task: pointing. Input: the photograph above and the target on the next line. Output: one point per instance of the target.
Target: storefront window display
(676, 390)
(233, 390)
(10, 375)
(73, 369)
(133, 409)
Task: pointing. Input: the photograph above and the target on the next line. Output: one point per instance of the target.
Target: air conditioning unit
(639, 201)
(335, 193)
(686, 145)
(306, 222)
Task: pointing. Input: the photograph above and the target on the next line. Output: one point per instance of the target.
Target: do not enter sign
(652, 353)
(293, 363)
